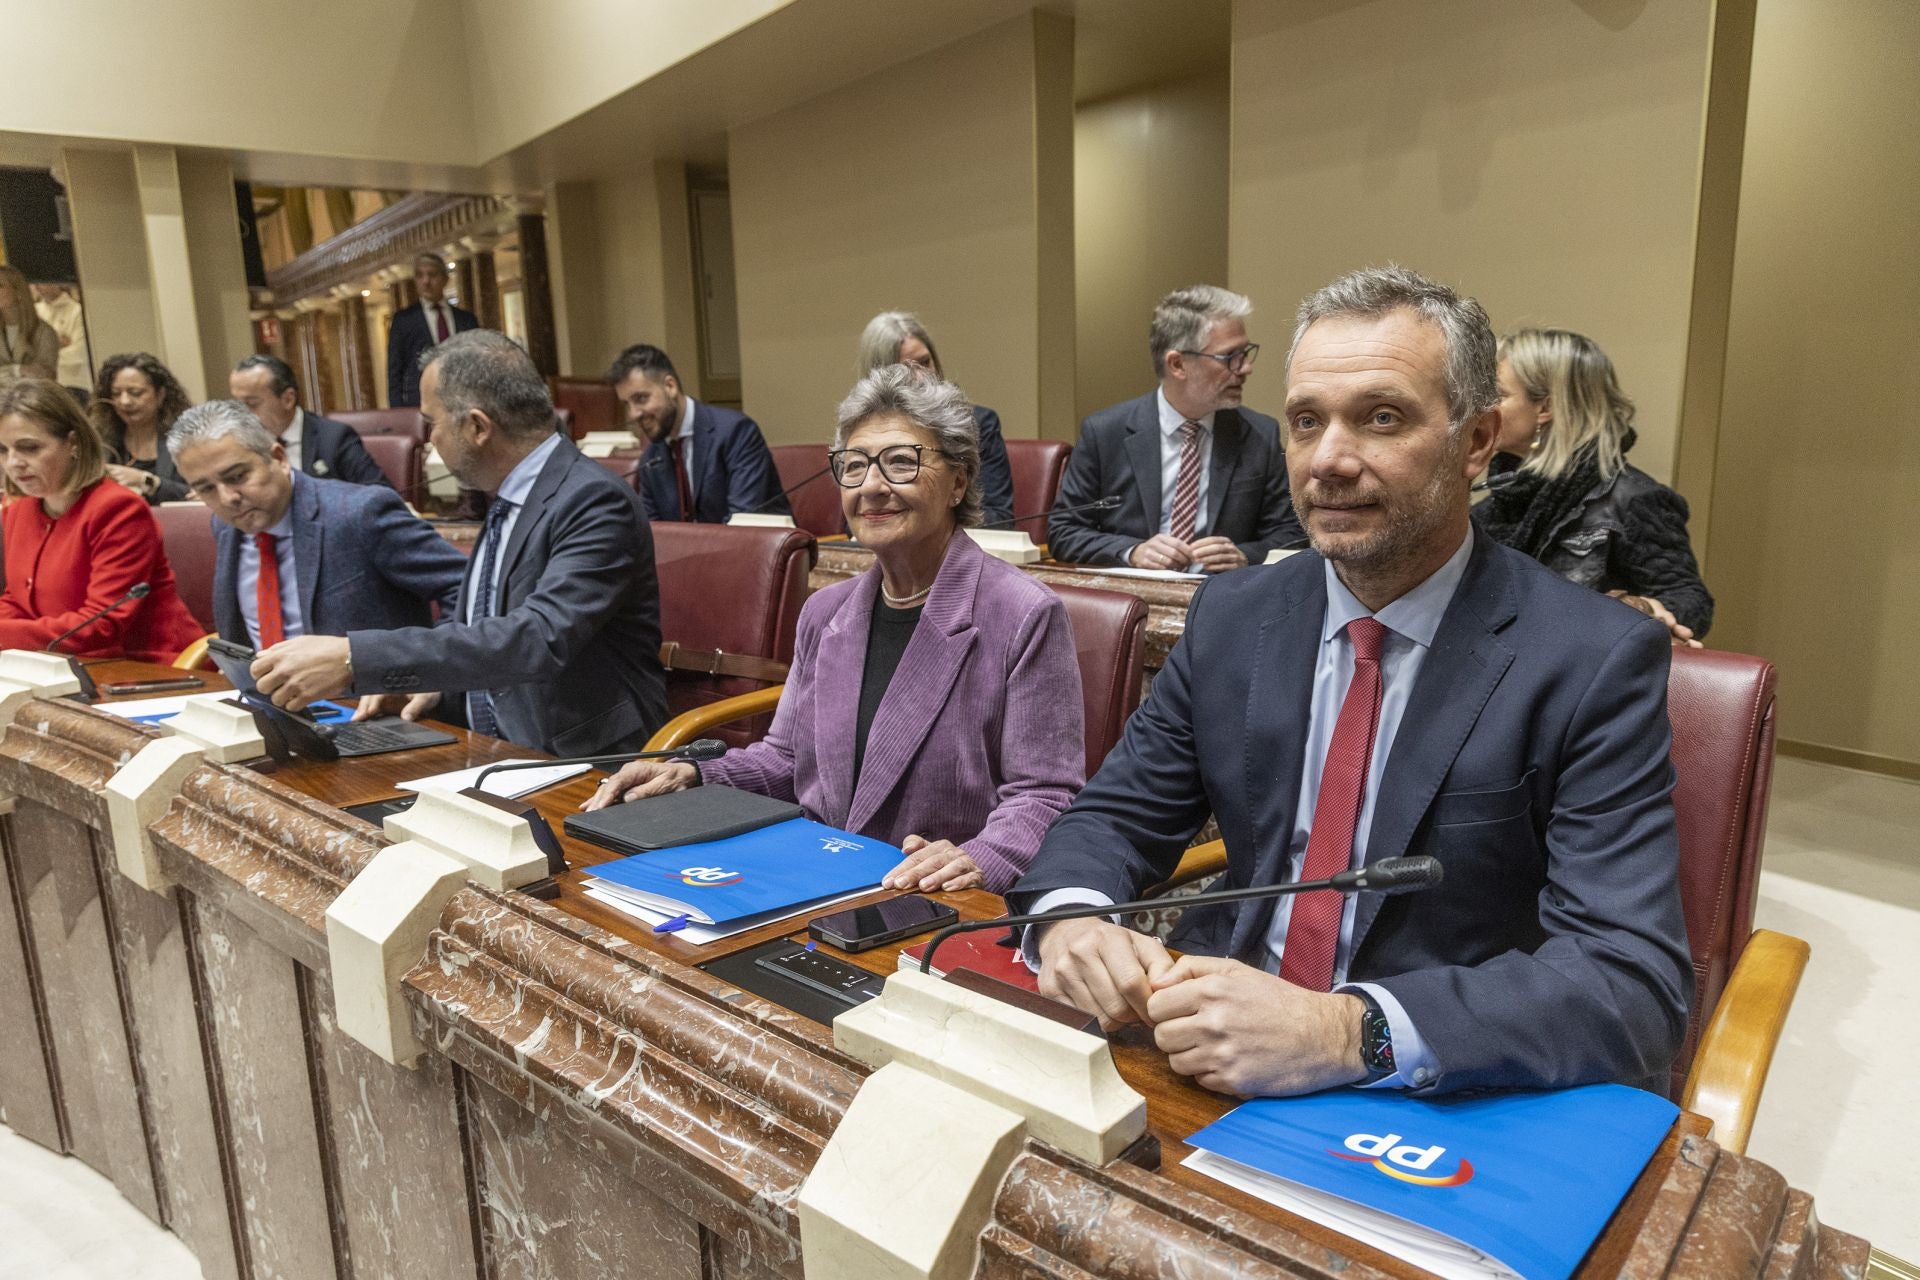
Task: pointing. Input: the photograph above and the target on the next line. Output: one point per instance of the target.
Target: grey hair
(885, 334)
(1182, 318)
(935, 406)
(485, 370)
(1473, 368)
(219, 420)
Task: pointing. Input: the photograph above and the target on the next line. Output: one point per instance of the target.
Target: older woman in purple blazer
(934, 701)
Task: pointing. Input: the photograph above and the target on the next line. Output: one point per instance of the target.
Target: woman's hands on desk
(1231, 1027)
(933, 865)
(638, 779)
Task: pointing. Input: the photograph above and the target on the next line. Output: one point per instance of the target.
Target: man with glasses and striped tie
(1201, 479)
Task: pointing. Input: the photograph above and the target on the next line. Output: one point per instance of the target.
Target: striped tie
(1186, 487)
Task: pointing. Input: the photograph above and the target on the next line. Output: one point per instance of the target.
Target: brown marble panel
(731, 1258)
(252, 1001)
(394, 1153)
(27, 1102)
(94, 1069)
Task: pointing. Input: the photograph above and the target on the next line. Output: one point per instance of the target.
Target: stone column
(466, 282)
(357, 353)
(486, 280)
(536, 292)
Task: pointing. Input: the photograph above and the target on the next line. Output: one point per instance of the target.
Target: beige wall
(1815, 543)
(1150, 200)
(913, 188)
(1543, 155)
(110, 249)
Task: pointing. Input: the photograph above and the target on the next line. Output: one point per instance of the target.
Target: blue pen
(671, 926)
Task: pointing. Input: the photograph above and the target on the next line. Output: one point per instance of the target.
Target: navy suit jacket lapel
(228, 621)
(308, 551)
(1279, 706)
(1227, 431)
(531, 513)
(705, 433)
(309, 443)
(1143, 450)
(1460, 672)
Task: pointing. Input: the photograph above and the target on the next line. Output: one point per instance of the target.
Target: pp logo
(834, 844)
(1408, 1163)
(708, 877)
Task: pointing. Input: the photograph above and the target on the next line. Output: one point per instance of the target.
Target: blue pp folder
(788, 864)
(1506, 1184)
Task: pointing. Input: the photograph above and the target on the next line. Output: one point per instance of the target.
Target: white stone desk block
(138, 795)
(1011, 545)
(225, 732)
(26, 674)
(497, 847)
(1062, 1080)
(907, 1182)
(1276, 555)
(377, 930)
(759, 520)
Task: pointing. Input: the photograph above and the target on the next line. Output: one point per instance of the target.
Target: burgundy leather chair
(1110, 635)
(589, 403)
(816, 504)
(626, 468)
(1037, 466)
(400, 457)
(187, 533)
(729, 602)
(370, 423)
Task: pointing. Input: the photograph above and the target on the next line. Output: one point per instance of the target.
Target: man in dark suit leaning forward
(316, 445)
(700, 462)
(1411, 689)
(298, 555)
(556, 643)
(1201, 479)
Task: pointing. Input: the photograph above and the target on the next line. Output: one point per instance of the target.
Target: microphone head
(138, 591)
(1402, 875)
(702, 749)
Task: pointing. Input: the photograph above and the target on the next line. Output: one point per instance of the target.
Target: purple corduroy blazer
(978, 740)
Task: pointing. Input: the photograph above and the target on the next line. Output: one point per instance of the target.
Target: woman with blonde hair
(135, 404)
(29, 347)
(898, 337)
(76, 541)
(1561, 488)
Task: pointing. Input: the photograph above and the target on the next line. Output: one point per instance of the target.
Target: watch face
(1376, 1040)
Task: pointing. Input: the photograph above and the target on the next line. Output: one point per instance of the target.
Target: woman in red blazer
(76, 540)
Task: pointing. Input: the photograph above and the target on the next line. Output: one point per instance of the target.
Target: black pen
(154, 686)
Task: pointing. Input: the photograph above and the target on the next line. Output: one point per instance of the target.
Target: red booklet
(982, 952)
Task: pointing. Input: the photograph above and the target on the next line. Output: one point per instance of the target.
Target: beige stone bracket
(138, 795)
(225, 732)
(496, 846)
(907, 1182)
(26, 674)
(1062, 1081)
(377, 929)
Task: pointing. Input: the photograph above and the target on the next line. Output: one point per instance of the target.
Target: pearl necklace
(904, 602)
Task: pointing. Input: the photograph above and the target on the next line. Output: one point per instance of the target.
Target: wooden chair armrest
(194, 656)
(1736, 1048)
(1196, 863)
(688, 725)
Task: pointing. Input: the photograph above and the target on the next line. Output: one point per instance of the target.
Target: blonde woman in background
(29, 348)
(1562, 491)
(898, 337)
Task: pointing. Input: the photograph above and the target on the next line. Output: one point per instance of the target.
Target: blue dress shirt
(247, 582)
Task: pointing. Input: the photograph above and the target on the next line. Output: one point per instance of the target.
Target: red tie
(680, 477)
(1313, 930)
(1186, 485)
(439, 323)
(266, 593)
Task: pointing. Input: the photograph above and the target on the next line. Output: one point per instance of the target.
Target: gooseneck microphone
(1098, 504)
(698, 749)
(138, 591)
(1388, 876)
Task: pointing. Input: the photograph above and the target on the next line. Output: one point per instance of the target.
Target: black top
(886, 641)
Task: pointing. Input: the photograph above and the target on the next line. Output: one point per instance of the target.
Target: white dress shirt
(290, 438)
(247, 581)
(514, 489)
(428, 309)
(1411, 623)
(1171, 420)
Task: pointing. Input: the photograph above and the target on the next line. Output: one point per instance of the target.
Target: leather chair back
(1037, 466)
(625, 469)
(816, 505)
(589, 403)
(400, 457)
(1110, 633)
(733, 591)
(369, 423)
(1721, 707)
(186, 531)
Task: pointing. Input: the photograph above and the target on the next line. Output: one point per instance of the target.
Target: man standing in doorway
(417, 328)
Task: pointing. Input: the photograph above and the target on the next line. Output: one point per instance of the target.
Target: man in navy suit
(419, 328)
(556, 640)
(315, 445)
(701, 462)
(346, 557)
(1411, 689)
(1201, 478)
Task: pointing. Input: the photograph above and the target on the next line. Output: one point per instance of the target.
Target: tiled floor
(1842, 1111)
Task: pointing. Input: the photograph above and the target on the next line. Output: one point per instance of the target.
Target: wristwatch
(1376, 1039)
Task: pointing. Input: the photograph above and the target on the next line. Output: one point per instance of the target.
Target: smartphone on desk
(878, 923)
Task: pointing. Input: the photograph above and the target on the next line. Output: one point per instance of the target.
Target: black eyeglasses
(898, 463)
(1241, 360)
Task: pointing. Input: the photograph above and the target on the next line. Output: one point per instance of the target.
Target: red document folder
(982, 952)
